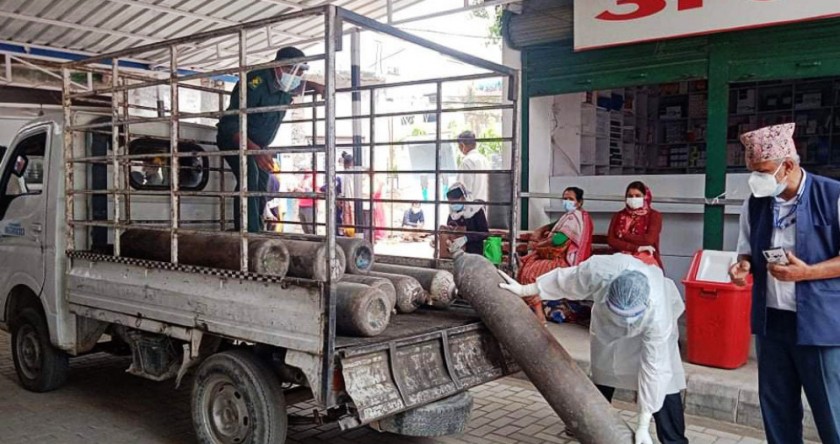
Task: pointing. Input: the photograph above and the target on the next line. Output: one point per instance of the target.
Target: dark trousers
(306, 215)
(670, 420)
(784, 370)
(257, 181)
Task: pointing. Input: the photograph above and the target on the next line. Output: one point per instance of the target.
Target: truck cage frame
(124, 115)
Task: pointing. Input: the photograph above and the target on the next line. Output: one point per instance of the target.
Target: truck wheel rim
(29, 352)
(226, 412)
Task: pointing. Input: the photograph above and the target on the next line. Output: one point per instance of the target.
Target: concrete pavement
(102, 404)
(722, 395)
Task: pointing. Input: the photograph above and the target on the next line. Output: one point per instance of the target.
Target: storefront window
(658, 129)
(810, 103)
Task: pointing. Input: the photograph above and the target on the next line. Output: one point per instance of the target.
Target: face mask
(634, 203)
(569, 206)
(765, 185)
(456, 208)
(289, 82)
(415, 210)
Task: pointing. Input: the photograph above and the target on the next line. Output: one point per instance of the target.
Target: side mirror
(20, 165)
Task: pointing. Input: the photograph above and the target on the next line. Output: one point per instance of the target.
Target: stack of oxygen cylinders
(367, 294)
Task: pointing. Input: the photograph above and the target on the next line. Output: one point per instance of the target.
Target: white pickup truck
(258, 344)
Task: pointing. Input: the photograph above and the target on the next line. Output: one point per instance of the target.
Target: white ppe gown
(642, 356)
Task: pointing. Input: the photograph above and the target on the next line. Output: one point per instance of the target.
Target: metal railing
(127, 122)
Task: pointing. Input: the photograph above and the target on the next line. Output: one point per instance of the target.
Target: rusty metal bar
(69, 185)
(255, 110)
(438, 129)
(331, 37)
(243, 146)
(115, 152)
(370, 233)
(264, 109)
(174, 164)
(222, 199)
(461, 78)
(196, 76)
(423, 142)
(516, 167)
(271, 150)
(126, 168)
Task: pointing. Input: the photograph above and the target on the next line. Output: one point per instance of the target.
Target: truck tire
(40, 366)
(236, 398)
(449, 416)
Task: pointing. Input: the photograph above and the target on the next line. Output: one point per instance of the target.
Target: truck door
(22, 211)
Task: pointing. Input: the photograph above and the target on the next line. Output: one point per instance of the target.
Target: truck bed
(424, 320)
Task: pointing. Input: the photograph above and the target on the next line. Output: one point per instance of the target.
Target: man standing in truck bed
(266, 87)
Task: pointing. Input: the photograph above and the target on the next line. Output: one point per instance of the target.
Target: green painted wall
(782, 52)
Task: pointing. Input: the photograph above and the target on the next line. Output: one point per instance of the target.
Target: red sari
(631, 229)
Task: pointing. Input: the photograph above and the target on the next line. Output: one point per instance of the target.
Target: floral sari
(577, 226)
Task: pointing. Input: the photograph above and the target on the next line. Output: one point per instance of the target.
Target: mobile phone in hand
(776, 256)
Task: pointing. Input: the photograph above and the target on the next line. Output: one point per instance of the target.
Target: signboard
(600, 23)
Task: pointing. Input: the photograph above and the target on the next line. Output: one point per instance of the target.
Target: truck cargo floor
(413, 324)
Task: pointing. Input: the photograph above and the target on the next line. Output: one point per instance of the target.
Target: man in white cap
(796, 296)
(633, 334)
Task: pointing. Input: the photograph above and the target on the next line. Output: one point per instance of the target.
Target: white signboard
(600, 23)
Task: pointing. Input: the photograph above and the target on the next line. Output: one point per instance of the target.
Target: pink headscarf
(769, 143)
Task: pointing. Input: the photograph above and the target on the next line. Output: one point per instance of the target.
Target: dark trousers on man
(784, 370)
(306, 215)
(670, 420)
(257, 182)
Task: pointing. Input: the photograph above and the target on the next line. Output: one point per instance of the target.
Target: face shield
(294, 79)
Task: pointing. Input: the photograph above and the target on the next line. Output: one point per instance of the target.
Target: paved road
(103, 404)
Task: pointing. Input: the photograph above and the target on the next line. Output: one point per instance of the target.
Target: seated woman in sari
(635, 229)
(568, 242)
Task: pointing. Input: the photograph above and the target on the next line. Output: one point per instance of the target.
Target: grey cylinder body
(410, 294)
(265, 256)
(383, 284)
(439, 284)
(361, 310)
(359, 253)
(549, 367)
(309, 260)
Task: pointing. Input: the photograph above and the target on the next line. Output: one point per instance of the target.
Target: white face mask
(569, 206)
(765, 185)
(415, 210)
(289, 82)
(634, 203)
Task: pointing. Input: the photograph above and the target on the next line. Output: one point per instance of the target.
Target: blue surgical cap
(629, 294)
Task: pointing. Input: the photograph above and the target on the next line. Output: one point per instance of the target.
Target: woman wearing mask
(568, 242)
(468, 218)
(635, 229)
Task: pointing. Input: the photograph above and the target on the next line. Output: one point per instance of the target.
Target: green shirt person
(266, 87)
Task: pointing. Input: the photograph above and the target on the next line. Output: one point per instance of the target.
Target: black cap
(467, 138)
(455, 193)
(289, 52)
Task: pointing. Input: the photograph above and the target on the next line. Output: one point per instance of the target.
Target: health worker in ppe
(633, 334)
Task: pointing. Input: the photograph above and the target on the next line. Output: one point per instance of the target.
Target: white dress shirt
(780, 295)
(475, 183)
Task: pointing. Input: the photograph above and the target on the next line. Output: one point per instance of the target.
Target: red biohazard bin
(717, 312)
